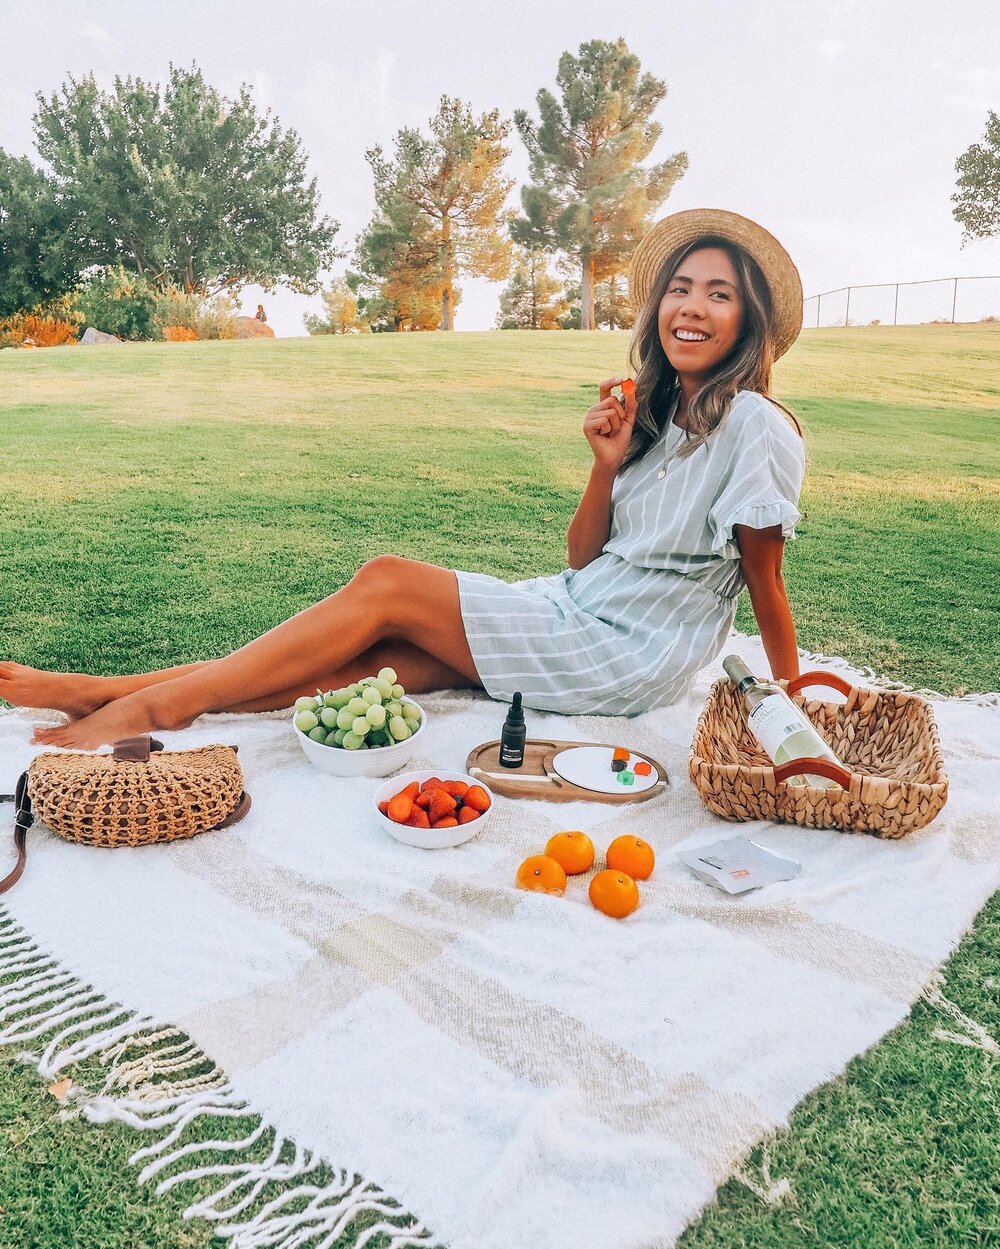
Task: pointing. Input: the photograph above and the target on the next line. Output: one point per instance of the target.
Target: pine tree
(452, 183)
(589, 195)
(399, 280)
(611, 304)
(532, 299)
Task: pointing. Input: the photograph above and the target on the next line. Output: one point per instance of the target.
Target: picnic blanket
(512, 1068)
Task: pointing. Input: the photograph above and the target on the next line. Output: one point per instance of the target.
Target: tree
(183, 185)
(532, 299)
(589, 195)
(38, 260)
(977, 201)
(398, 257)
(611, 304)
(341, 304)
(451, 187)
(612, 309)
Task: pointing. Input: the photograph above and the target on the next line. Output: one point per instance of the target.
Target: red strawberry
(478, 798)
(433, 783)
(442, 804)
(457, 789)
(400, 808)
(448, 821)
(418, 819)
(467, 814)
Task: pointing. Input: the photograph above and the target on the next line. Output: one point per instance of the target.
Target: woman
(691, 496)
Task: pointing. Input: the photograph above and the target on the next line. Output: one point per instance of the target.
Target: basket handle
(814, 767)
(818, 678)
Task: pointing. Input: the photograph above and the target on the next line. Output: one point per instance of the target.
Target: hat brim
(682, 228)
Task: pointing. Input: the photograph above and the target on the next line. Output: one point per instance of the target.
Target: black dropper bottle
(512, 736)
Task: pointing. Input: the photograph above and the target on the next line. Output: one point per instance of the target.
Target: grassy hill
(166, 502)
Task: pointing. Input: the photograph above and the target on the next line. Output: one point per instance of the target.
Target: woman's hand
(608, 426)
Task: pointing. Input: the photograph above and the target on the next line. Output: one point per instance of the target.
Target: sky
(834, 123)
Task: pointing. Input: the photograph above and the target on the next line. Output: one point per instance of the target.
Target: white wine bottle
(783, 730)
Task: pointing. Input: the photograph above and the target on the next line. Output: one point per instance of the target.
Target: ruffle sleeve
(762, 485)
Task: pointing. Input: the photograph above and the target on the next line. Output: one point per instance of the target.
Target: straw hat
(681, 228)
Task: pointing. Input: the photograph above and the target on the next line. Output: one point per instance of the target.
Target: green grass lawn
(165, 503)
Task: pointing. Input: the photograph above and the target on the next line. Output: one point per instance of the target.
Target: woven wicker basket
(111, 800)
(893, 780)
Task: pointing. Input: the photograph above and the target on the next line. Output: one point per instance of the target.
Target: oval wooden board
(536, 777)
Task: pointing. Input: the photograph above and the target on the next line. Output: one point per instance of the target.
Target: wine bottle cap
(738, 672)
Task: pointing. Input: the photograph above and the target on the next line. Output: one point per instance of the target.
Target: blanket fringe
(770, 1191)
(156, 1079)
(975, 1036)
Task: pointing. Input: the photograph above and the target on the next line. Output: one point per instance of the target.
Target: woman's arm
(608, 428)
(591, 524)
(760, 555)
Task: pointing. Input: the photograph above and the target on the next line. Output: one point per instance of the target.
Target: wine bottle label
(772, 720)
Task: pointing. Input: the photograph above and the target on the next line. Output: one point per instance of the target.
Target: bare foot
(124, 717)
(72, 692)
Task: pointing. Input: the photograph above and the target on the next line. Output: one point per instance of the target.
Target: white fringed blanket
(514, 1069)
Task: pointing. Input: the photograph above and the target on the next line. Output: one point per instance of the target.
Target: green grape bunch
(365, 715)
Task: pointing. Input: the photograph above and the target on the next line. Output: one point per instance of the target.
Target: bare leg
(417, 671)
(389, 597)
(76, 693)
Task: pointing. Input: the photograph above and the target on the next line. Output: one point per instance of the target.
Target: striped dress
(629, 631)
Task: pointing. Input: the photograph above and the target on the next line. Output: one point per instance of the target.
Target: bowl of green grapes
(367, 728)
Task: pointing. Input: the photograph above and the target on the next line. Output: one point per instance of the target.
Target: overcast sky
(836, 123)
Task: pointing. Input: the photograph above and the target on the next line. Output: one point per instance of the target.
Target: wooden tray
(536, 777)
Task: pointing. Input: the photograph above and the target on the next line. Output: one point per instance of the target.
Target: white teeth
(690, 336)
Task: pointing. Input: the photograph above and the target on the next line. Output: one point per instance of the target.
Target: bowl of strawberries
(432, 810)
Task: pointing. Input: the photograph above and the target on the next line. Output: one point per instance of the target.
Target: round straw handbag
(893, 779)
(139, 794)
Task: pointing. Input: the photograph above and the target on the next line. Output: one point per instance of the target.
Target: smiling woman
(693, 489)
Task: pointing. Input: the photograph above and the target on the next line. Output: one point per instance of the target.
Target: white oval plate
(590, 768)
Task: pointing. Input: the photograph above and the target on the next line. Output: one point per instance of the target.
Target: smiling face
(701, 315)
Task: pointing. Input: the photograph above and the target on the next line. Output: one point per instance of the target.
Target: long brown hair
(746, 367)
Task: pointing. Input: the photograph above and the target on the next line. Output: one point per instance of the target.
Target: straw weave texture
(886, 739)
(99, 801)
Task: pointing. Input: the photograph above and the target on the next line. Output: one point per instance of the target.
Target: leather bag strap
(23, 820)
(135, 749)
(237, 813)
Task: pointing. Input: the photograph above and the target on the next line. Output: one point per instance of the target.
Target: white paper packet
(738, 864)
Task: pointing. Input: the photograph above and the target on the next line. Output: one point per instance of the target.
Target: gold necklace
(666, 444)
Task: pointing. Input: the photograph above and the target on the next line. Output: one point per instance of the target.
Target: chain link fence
(906, 303)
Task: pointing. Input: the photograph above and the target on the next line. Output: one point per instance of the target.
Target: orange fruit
(633, 856)
(573, 851)
(541, 873)
(614, 893)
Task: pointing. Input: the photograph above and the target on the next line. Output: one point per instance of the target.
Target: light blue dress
(629, 631)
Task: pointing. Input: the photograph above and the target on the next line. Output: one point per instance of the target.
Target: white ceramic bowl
(382, 761)
(429, 838)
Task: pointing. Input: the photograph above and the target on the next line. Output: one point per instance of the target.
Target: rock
(250, 327)
(92, 337)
